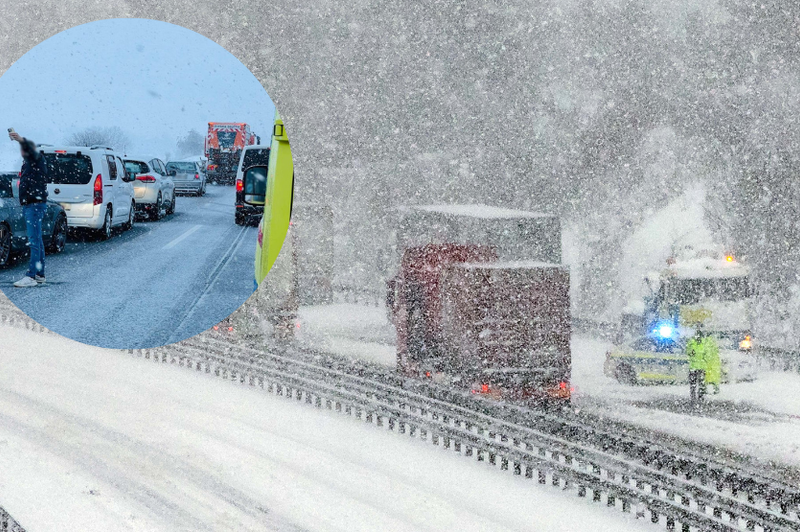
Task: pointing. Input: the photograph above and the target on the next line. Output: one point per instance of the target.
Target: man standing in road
(33, 198)
(695, 350)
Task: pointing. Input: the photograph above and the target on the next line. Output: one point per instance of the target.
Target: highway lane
(158, 283)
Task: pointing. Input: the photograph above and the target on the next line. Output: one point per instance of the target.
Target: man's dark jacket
(33, 179)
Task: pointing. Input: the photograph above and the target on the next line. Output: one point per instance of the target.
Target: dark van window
(255, 158)
(112, 167)
(68, 168)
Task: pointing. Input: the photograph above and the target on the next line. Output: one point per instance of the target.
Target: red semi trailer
(472, 312)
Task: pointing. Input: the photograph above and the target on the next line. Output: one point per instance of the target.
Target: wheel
(5, 245)
(171, 208)
(240, 219)
(625, 374)
(105, 232)
(155, 214)
(127, 226)
(58, 240)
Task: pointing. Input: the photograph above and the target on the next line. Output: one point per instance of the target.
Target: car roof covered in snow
(706, 268)
(49, 148)
(140, 158)
(476, 211)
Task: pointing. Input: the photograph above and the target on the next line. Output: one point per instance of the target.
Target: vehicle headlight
(746, 344)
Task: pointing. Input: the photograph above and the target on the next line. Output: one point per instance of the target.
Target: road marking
(226, 257)
(180, 238)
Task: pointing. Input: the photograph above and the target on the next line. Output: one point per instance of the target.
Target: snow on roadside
(349, 330)
(759, 419)
(93, 439)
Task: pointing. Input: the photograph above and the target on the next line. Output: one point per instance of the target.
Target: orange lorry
(223, 149)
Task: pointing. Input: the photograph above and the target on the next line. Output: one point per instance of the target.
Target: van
(92, 186)
(256, 155)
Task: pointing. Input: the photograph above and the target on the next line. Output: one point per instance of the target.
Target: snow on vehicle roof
(478, 211)
(511, 264)
(707, 268)
(70, 149)
(139, 158)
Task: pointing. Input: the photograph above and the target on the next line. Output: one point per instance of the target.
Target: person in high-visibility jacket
(705, 366)
(697, 367)
(713, 362)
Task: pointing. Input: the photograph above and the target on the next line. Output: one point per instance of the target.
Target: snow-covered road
(759, 419)
(159, 283)
(92, 439)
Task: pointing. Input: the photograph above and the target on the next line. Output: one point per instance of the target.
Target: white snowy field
(759, 418)
(96, 440)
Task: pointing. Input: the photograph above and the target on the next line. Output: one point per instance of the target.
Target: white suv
(92, 186)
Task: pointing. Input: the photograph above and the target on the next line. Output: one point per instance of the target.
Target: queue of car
(96, 189)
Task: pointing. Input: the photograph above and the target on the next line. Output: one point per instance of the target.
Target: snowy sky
(154, 80)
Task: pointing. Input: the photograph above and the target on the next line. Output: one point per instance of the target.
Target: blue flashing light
(665, 330)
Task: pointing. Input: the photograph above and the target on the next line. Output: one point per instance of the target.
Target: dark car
(13, 235)
(255, 155)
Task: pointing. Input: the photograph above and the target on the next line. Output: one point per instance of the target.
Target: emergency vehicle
(703, 288)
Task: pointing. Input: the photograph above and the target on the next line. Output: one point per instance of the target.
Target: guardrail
(618, 471)
(8, 524)
(617, 468)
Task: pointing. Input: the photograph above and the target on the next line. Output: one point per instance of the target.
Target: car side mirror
(255, 185)
(130, 176)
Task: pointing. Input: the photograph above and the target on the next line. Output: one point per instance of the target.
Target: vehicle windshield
(693, 291)
(180, 167)
(137, 167)
(658, 345)
(68, 168)
(258, 157)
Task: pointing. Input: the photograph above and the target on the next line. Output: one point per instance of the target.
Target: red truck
(223, 149)
(478, 314)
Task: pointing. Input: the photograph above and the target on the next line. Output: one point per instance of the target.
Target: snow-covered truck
(707, 287)
(481, 301)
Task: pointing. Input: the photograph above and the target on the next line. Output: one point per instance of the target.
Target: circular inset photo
(146, 183)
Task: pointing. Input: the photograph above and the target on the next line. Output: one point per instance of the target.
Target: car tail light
(197, 176)
(146, 178)
(239, 185)
(98, 189)
(60, 151)
(211, 167)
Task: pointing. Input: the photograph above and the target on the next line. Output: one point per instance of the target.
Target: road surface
(159, 283)
(93, 439)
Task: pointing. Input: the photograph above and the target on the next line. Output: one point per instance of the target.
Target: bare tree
(192, 143)
(113, 137)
